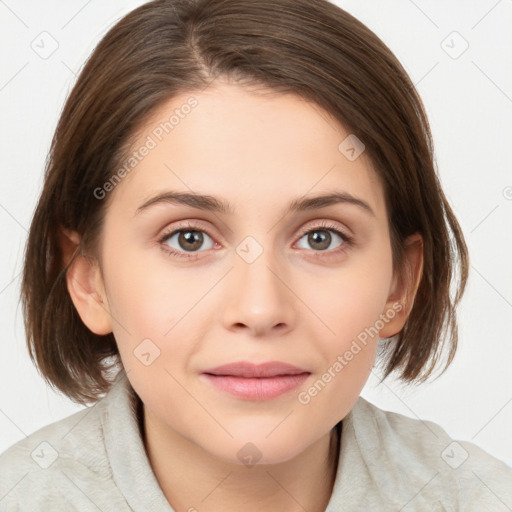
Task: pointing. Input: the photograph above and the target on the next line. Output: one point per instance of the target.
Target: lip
(247, 369)
(256, 382)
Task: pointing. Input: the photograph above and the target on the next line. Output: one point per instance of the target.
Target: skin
(294, 303)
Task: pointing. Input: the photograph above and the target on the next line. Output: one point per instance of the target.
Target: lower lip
(264, 388)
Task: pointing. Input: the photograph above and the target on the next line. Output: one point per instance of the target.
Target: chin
(254, 447)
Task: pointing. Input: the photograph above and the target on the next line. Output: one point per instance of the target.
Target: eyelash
(348, 241)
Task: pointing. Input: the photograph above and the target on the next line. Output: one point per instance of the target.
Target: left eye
(320, 239)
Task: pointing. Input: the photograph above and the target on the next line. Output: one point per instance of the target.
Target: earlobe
(404, 288)
(85, 285)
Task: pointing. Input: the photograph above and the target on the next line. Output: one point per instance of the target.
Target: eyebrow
(213, 204)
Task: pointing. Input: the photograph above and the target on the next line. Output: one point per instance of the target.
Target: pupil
(193, 239)
(320, 236)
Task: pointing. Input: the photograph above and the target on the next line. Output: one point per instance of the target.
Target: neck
(193, 480)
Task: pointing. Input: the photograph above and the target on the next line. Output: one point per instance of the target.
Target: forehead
(246, 146)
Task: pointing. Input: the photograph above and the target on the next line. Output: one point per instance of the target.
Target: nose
(259, 299)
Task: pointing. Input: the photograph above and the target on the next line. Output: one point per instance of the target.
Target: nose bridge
(258, 297)
(260, 282)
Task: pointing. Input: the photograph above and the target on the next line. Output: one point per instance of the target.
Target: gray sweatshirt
(94, 460)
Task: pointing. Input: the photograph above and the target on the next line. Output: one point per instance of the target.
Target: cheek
(349, 301)
(146, 292)
(151, 301)
(351, 304)
(333, 393)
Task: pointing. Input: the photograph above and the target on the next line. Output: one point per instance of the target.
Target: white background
(469, 103)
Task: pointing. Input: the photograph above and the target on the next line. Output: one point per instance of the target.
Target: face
(190, 288)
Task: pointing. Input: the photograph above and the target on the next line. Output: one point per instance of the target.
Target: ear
(404, 287)
(85, 285)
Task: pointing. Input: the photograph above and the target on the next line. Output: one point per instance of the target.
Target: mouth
(256, 382)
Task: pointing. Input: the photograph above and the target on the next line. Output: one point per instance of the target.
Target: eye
(322, 237)
(186, 241)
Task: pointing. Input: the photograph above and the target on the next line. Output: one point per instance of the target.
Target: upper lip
(247, 369)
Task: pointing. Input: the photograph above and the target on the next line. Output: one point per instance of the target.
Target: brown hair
(310, 48)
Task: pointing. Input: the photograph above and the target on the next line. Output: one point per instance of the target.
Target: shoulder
(49, 467)
(421, 455)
